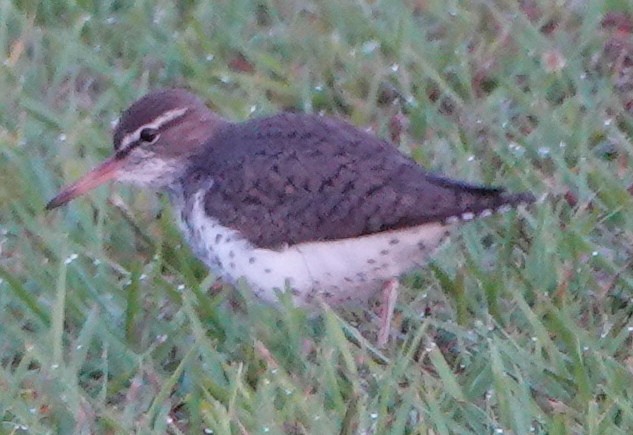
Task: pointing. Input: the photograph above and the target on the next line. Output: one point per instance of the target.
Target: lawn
(521, 324)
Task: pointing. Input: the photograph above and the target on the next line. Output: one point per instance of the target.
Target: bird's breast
(337, 271)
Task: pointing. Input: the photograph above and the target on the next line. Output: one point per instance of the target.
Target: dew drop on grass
(373, 415)
(142, 277)
(630, 329)
(585, 348)
(252, 109)
(594, 254)
(266, 429)
(395, 67)
(370, 46)
(169, 420)
(54, 366)
(498, 430)
(79, 346)
(534, 339)
(180, 287)
(607, 122)
(471, 158)
(209, 58)
(62, 137)
(207, 430)
(543, 151)
(161, 338)
(273, 371)
(71, 258)
(516, 149)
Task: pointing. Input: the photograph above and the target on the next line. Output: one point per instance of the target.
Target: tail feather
(482, 202)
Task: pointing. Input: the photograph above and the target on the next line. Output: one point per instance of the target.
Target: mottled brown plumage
(298, 203)
(294, 178)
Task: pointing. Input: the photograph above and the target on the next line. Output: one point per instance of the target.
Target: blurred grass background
(522, 324)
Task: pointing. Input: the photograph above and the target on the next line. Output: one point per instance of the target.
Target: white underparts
(337, 271)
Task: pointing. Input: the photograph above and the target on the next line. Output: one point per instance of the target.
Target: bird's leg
(389, 297)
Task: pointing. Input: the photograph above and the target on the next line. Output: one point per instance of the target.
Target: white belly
(337, 271)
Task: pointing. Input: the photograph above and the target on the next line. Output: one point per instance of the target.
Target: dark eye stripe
(149, 134)
(132, 139)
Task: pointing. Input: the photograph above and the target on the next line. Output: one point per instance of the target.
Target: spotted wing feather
(296, 178)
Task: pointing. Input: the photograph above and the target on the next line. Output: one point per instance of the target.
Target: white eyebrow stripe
(164, 118)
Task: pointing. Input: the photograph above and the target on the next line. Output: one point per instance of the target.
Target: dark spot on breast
(232, 265)
(267, 270)
(384, 252)
(295, 292)
(231, 254)
(421, 246)
(348, 279)
(251, 260)
(371, 261)
(394, 241)
(228, 240)
(218, 238)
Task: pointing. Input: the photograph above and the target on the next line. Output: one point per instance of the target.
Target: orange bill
(106, 171)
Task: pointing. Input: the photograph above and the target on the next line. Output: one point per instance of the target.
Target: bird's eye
(149, 135)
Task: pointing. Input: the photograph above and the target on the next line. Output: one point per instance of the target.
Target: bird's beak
(106, 171)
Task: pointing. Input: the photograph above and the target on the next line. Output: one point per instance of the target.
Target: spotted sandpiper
(292, 202)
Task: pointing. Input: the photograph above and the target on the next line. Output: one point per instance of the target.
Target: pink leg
(389, 297)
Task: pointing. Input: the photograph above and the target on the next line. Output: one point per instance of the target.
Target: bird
(295, 203)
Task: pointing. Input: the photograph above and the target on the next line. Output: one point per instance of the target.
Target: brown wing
(295, 178)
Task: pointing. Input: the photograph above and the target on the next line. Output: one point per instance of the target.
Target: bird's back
(292, 178)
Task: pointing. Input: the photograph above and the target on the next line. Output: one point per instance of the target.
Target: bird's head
(154, 142)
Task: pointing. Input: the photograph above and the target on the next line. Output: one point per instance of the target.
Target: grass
(522, 324)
